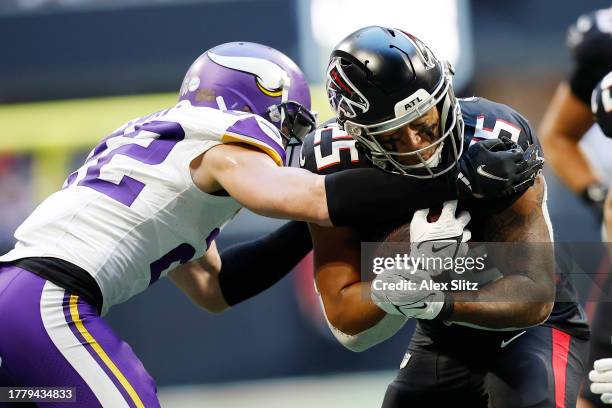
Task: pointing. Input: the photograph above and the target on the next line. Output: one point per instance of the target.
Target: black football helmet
(601, 104)
(380, 79)
(589, 38)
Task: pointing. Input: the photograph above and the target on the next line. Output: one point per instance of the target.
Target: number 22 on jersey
(128, 188)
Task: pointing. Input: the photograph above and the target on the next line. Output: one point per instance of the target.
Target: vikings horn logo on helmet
(343, 96)
(270, 77)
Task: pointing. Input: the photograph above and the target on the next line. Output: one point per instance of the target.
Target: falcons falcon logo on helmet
(343, 95)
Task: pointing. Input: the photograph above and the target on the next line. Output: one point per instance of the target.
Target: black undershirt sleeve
(249, 268)
(365, 197)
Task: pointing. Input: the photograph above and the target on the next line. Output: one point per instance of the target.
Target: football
(402, 232)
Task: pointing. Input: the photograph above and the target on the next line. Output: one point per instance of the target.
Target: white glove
(411, 292)
(601, 378)
(407, 293)
(444, 238)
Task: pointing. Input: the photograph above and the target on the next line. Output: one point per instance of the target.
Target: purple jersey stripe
(91, 351)
(71, 178)
(211, 237)
(251, 128)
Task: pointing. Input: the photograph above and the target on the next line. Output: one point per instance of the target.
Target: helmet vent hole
(391, 32)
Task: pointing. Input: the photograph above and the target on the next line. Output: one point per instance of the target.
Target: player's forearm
(295, 194)
(249, 268)
(256, 182)
(569, 163)
(523, 251)
(199, 280)
(512, 302)
(350, 309)
(287, 193)
(356, 196)
(564, 124)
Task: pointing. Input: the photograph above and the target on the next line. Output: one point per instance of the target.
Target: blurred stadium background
(71, 71)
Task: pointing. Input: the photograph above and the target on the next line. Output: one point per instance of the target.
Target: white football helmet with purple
(243, 76)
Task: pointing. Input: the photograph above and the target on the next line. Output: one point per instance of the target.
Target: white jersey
(132, 213)
(597, 148)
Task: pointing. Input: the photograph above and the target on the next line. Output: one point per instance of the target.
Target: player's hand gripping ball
(410, 291)
(601, 378)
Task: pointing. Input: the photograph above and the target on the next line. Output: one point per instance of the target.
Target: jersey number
(182, 253)
(128, 188)
(481, 132)
(338, 143)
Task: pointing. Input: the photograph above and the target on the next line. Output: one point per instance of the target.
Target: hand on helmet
(497, 168)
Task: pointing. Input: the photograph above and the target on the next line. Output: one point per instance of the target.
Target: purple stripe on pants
(29, 356)
(131, 368)
(89, 348)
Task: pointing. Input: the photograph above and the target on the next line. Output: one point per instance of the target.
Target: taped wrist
(249, 268)
(381, 331)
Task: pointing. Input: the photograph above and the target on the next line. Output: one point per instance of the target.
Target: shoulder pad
(485, 119)
(330, 149)
(258, 132)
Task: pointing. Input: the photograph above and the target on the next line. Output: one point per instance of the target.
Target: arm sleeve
(249, 268)
(356, 197)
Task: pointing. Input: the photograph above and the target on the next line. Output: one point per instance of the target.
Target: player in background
(148, 203)
(601, 349)
(407, 121)
(575, 148)
(579, 153)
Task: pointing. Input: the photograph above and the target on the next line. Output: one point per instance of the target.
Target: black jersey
(330, 150)
(590, 42)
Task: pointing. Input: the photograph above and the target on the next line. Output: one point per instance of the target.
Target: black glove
(497, 168)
